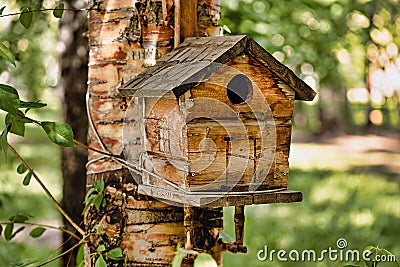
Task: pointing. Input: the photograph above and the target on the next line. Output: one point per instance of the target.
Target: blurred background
(345, 155)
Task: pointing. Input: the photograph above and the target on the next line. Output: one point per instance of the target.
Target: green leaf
(90, 199)
(5, 52)
(18, 230)
(99, 186)
(98, 200)
(177, 260)
(390, 254)
(100, 262)
(89, 193)
(204, 260)
(115, 254)
(26, 5)
(9, 99)
(21, 168)
(87, 206)
(101, 248)
(58, 10)
(19, 218)
(26, 17)
(60, 133)
(2, 10)
(4, 145)
(17, 124)
(226, 28)
(180, 254)
(27, 178)
(36, 232)
(30, 105)
(371, 248)
(24, 263)
(225, 237)
(80, 255)
(8, 231)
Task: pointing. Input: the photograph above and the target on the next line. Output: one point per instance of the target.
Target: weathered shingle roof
(197, 58)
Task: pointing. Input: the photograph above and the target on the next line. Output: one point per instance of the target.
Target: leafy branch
(59, 133)
(201, 259)
(48, 193)
(26, 12)
(61, 9)
(40, 228)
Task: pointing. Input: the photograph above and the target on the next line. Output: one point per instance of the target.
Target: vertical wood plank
(188, 18)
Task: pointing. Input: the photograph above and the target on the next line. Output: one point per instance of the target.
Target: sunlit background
(345, 50)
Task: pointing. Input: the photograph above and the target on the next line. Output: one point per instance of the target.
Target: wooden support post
(188, 18)
(239, 224)
(188, 224)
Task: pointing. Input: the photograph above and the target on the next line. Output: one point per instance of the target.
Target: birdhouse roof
(197, 58)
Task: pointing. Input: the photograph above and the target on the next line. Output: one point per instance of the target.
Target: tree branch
(48, 193)
(97, 150)
(45, 10)
(60, 255)
(47, 226)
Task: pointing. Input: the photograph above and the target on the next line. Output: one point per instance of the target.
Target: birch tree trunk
(125, 37)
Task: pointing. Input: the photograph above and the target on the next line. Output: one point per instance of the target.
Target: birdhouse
(210, 124)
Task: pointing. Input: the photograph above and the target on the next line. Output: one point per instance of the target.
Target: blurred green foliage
(34, 49)
(362, 208)
(334, 45)
(44, 156)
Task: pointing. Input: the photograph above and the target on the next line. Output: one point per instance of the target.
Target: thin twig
(96, 150)
(60, 255)
(47, 226)
(45, 10)
(48, 193)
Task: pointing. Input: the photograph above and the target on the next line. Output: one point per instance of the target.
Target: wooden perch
(239, 224)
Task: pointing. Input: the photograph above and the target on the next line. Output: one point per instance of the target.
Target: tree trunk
(124, 39)
(72, 90)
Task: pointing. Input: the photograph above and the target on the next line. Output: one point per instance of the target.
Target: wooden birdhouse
(210, 124)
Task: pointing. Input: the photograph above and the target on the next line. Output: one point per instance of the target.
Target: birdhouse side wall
(164, 142)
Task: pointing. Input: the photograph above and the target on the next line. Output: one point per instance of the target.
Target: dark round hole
(239, 89)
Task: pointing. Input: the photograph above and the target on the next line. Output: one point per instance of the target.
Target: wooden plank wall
(224, 149)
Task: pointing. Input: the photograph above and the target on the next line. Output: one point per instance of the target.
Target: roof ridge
(200, 53)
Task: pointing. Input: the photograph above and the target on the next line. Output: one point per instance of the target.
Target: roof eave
(302, 90)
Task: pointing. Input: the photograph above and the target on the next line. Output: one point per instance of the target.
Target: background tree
(72, 88)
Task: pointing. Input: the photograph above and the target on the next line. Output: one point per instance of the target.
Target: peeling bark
(124, 39)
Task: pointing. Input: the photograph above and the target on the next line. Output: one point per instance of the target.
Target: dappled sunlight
(332, 193)
(350, 187)
(344, 152)
(362, 218)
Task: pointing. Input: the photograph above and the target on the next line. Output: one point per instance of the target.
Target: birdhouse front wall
(207, 141)
(228, 146)
(280, 98)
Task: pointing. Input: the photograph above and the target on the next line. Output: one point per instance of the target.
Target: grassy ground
(351, 190)
(350, 186)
